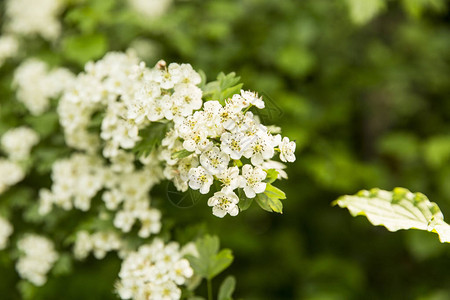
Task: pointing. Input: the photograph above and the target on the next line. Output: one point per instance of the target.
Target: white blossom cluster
(215, 137)
(105, 87)
(78, 179)
(36, 84)
(6, 230)
(9, 46)
(150, 8)
(38, 257)
(31, 17)
(17, 142)
(154, 272)
(218, 137)
(99, 243)
(15, 174)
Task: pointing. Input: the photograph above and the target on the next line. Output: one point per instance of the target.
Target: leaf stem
(210, 292)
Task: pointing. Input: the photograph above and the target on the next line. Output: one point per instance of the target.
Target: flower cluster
(6, 230)
(17, 142)
(29, 17)
(38, 257)
(217, 137)
(36, 84)
(220, 142)
(15, 174)
(9, 46)
(78, 179)
(104, 88)
(154, 272)
(150, 8)
(99, 243)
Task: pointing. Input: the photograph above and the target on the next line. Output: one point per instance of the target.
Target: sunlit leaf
(399, 209)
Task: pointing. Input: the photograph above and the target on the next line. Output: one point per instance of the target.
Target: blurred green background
(364, 89)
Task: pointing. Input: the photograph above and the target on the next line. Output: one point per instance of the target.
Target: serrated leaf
(274, 192)
(399, 209)
(270, 199)
(220, 262)
(227, 288)
(271, 176)
(210, 261)
(181, 154)
(151, 138)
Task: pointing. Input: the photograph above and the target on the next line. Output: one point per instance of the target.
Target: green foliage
(83, 48)
(210, 261)
(270, 199)
(223, 87)
(227, 288)
(151, 138)
(181, 154)
(399, 209)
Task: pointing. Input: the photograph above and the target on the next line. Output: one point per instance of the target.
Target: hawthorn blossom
(200, 179)
(224, 202)
(230, 178)
(253, 184)
(214, 160)
(287, 150)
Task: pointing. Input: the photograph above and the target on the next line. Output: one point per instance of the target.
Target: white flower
(231, 143)
(214, 160)
(150, 222)
(224, 202)
(253, 177)
(9, 46)
(200, 179)
(6, 230)
(83, 245)
(230, 178)
(38, 258)
(124, 220)
(252, 98)
(14, 171)
(17, 142)
(150, 8)
(287, 150)
(30, 17)
(181, 270)
(258, 150)
(153, 272)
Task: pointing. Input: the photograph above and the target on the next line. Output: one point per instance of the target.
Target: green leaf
(27, 289)
(63, 265)
(399, 209)
(274, 192)
(227, 288)
(222, 88)
(81, 49)
(151, 136)
(44, 124)
(181, 154)
(271, 176)
(263, 202)
(244, 202)
(210, 261)
(270, 199)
